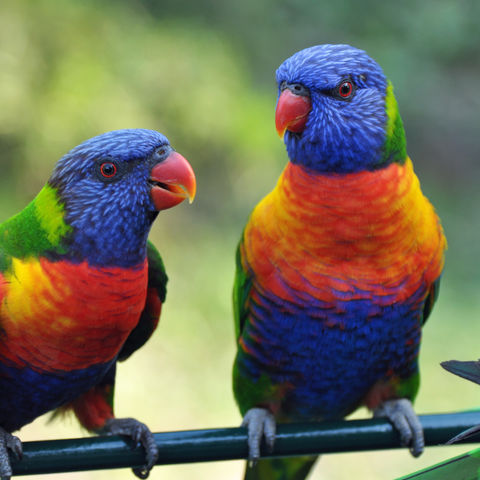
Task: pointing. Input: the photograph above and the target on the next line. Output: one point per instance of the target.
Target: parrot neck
(395, 147)
(104, 233)
(46, 228)
(121, 242)
(38, 229)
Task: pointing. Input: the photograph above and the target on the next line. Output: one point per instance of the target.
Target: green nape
(38, 228)
(395, 148)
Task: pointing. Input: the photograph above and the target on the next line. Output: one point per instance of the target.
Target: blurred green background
(202, 72)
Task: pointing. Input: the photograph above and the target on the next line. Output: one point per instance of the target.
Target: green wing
(463, 467)
(241, 290)
(156, 292)
(431, 299)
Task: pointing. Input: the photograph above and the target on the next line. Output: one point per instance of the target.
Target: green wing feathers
(241, 289)
(431, 299)
(156, 293)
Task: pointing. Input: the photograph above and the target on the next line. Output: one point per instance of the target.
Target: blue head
(338, 111)
(112, 187)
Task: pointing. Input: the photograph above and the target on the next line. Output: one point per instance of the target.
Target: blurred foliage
(202, 72)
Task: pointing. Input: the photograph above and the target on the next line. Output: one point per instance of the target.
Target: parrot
(470, 370)
(82, 287)
(338, 267)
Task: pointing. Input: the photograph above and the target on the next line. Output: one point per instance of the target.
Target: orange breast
(63, 316)
(346, 236)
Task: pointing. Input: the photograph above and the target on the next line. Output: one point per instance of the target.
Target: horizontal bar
(95, 453)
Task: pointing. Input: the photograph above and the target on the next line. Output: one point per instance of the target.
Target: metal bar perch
(95, 453)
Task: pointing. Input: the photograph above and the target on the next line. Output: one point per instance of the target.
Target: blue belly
(326, 357)
(26, 394)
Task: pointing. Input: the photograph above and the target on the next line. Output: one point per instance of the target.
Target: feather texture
(339, 266)
(337, 291)
(80, 285)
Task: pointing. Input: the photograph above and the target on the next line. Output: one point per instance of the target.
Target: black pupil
(108, 169)
(345, 89)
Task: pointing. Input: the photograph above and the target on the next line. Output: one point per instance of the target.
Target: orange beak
(292, 112)
(172, 182)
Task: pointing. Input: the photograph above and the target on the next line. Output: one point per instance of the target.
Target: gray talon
(140, 433)
(12, 443)
(400, 412)
(260, 423)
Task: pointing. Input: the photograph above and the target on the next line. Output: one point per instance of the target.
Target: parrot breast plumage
(51, 313)
(346, 286)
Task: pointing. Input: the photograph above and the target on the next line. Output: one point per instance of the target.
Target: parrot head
(337, 112)
(112, 187)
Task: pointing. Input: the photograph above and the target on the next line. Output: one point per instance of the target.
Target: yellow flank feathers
(31, 294)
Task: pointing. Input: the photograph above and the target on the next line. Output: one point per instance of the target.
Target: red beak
(173, 181)
(292, 112)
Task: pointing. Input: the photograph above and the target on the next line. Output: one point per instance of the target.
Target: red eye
(345, 89)
(108, 169)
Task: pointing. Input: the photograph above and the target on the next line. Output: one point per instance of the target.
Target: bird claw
(260, 423)
(401, 414)
(139, 433)
(12, 443)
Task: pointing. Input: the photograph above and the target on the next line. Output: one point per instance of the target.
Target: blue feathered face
(341, 124)
(112, 187)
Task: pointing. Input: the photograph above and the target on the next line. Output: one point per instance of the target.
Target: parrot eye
(108, 169)
(345, 89)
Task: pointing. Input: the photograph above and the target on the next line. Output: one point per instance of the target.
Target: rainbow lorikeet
(80, 285)
(338, 267)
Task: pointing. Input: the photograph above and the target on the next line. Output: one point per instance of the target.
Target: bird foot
(260, 423)
(12, 443)
(401, 414)
(140, 433)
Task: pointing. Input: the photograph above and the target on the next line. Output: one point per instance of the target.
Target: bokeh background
(202, 72)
